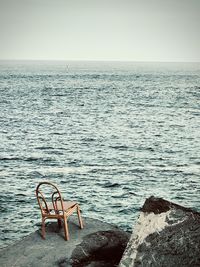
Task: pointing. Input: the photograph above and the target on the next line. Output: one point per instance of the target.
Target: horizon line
(98, 60)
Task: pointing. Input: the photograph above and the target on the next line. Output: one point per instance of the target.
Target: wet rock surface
(173, 238)
(87, 247)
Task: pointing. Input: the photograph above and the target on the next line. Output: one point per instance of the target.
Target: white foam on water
(64, 170)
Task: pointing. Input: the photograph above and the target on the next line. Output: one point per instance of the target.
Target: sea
(109, 134)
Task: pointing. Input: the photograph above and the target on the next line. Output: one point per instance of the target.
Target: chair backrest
(46, 193)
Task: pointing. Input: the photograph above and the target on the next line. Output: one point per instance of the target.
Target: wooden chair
(57, 208)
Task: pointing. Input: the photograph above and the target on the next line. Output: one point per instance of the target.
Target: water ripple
(108, 135)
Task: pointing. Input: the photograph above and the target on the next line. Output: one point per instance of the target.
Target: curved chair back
(47, 194)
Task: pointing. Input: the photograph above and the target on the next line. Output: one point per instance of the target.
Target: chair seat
(66, 205)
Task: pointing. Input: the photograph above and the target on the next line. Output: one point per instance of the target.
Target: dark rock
(100, 249)
(159, 205)
(63, 262)
(176, 245)
(166, 235)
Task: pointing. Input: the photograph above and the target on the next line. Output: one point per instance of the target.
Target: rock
(54, 251)
(103, 248)
(159, 205)
(166, 234)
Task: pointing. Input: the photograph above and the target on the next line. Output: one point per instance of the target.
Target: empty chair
(53, 206)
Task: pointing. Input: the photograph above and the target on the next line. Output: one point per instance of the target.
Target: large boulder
(100, 249)
(166, 234)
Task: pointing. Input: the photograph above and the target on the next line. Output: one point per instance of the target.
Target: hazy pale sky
(142, 30)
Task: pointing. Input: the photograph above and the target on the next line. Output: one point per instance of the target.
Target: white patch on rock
(147, 224)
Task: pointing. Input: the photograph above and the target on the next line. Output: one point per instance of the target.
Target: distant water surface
(109, 134)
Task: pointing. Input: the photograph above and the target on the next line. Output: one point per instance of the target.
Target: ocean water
(109, 134)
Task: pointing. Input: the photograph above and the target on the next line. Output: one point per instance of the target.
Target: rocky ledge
(166, 235)
(99, 244)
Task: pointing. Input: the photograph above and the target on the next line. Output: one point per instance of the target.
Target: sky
(123, 30)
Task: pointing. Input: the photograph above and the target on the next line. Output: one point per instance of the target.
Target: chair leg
(59, 223)
(43, 228)
(79, 217)
(66, 229)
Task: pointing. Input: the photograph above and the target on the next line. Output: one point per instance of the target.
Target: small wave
(138, 170)
(127, 210)
(44, 147)
(195, 113)
(129, 192)
(31, 159)
(25, 159)
(36, 174)
(21, 200)
(146, 148)
(120, 147)
(109, 184)
(60, 95)
(10, 158)
(57, 133)
(38, 159)
(124, 195)
(3, 209)
(20, 195)
(88, 139)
